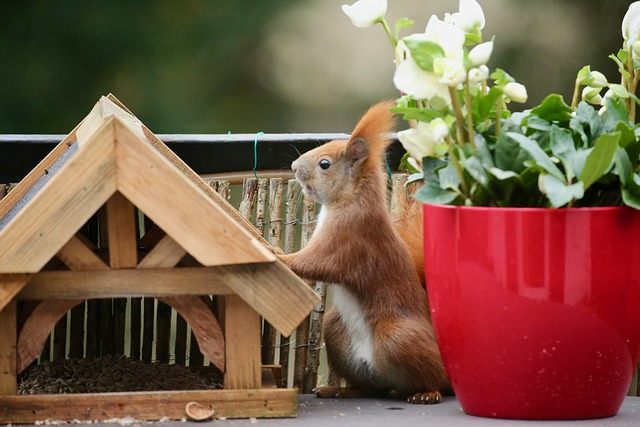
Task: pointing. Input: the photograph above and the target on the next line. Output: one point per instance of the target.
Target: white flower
(470, 17)
(591, 95)
(366, 13)
(449, 37)
(479, 74)
(516, 92)
(631, 25)
(480, 54)
(608, 94)
(427, 139)
(451, 72)
(412, 80)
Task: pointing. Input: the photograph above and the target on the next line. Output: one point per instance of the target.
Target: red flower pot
(537, 311)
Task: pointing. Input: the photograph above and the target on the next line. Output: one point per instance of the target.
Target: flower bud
(599, 80)
(516, 92)
(477, 75)
(480, 54)
(366, 13)
(591, 95)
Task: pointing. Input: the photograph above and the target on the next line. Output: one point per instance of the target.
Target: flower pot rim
(531, 209)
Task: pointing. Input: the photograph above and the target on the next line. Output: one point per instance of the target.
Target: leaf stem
(467, 93)
(498, 117)
(457, 109)
(387, 30)
(576, 96)
(460, 172)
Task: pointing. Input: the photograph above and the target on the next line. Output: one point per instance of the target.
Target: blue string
(255, 154)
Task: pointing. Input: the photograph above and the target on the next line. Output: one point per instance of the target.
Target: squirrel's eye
(324, 164)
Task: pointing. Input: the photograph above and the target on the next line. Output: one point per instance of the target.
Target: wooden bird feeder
(112, 161)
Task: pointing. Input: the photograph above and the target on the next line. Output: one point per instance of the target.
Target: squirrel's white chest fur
(360, 333)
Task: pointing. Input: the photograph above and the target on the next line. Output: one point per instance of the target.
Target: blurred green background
(199, 66)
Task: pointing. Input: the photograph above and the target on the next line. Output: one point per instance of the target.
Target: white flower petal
(409, 78)
(366, 13)
(631, 25)
(480, 54)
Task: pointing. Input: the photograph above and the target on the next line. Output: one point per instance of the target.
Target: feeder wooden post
(242, 332)
(8, 349)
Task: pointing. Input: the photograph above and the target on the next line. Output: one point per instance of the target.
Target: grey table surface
(392, 413)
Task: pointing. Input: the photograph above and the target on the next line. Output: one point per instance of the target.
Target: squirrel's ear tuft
(357, 149)
(374, 128)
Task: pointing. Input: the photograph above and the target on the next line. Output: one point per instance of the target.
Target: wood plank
(262, 285)
(77, 255)
(37, 328)
(36, 173)
(242, 332)
(204, 326)
(122, 283)
(8, 349)
(121, 230)
(258, 403)
(10, 286)
(181, 208)
(198, 181)
(165, 254)
(56, 213)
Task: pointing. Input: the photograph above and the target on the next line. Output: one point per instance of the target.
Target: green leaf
(600, 159)
(401, 24)
(540, 158)
(501, 77)
(430, 165)
(587, 123)
(473, 166)
(487, 103)
(448, 177)
(624, 73)
(563, 147)
(419, 114)
(484, 154)
(553, 109)
(509, 155)
(432, 193)
(505, 183)
(623, 166)
(630, 199)
(558, 192)
(406, 166)
(424, 52)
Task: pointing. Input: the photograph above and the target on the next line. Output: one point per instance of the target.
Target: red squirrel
(378, 334)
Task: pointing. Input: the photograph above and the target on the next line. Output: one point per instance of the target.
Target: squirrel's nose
(294, 166)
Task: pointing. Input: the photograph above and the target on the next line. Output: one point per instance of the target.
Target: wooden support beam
(37, 328)
(77, 255)
(121, 231)
(282, 298)
(204, 325)
(10, 286)
(242, 331)
(8, 349)
(165, 254)
(257, 403)
(122, 283)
